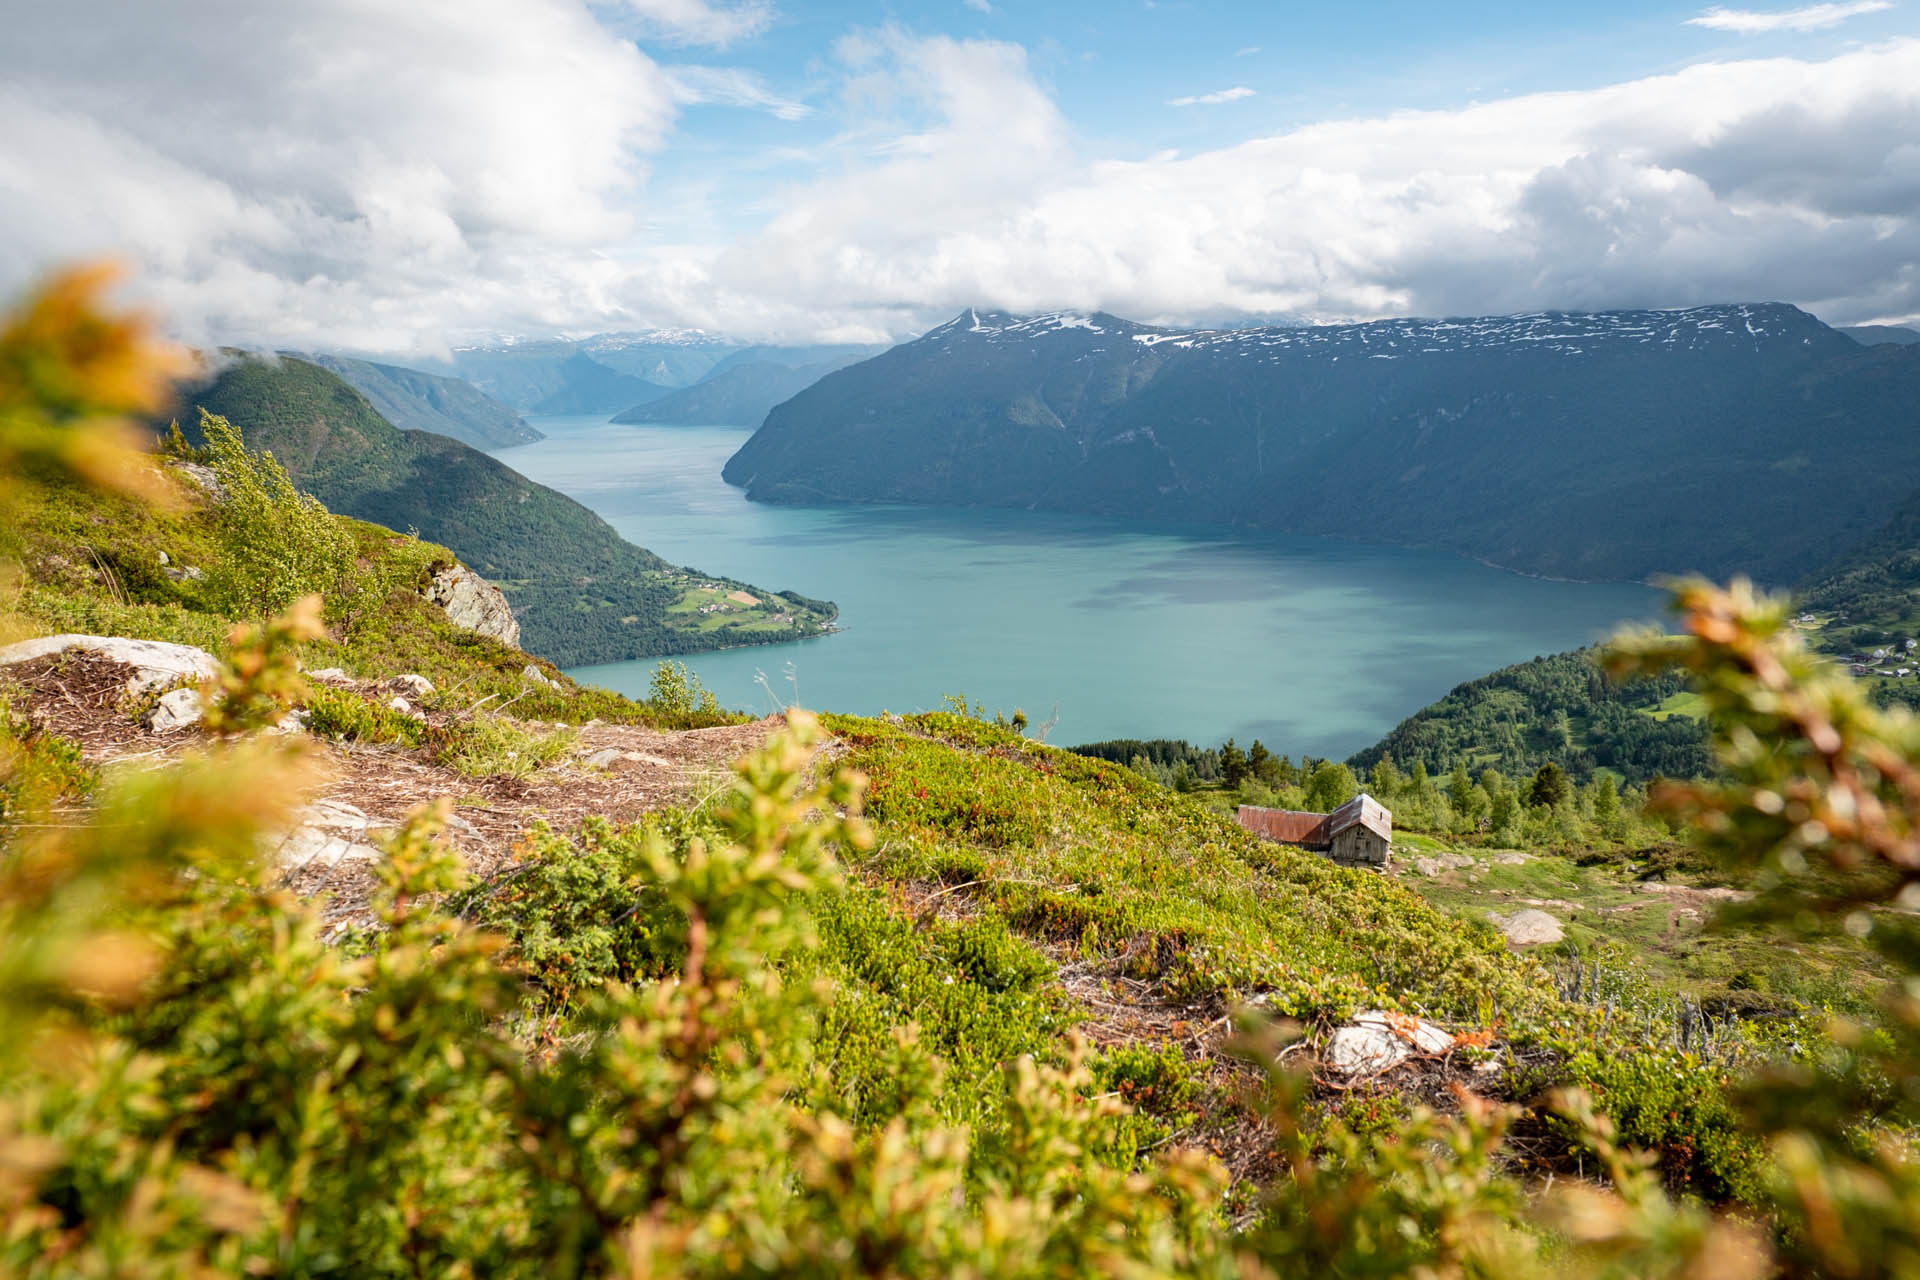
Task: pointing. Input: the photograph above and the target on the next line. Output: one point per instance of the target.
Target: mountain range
(1611, 445)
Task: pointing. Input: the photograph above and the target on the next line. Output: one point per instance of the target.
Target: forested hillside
(1562, 710)
(582, 593)
(1613, 445)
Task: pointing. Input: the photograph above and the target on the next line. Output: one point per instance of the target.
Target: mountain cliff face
(1607, 445)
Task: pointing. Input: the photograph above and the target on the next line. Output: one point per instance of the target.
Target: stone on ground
(1377, 1040)
(330, 832)
(615, 760)
(1529, 928)
(417, 685)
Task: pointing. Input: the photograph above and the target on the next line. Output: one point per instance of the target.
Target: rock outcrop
(470, 601)
(156, 664)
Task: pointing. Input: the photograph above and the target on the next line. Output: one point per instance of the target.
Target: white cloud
(334, 170)
(357, 174)
(1761, 179)
(1810, 18)
(982, 6)
(1213, 99)
(702, 21)
(1247, 52)
(733, 87)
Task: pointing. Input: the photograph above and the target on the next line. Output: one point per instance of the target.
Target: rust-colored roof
(1365, 811)
(1288, 826)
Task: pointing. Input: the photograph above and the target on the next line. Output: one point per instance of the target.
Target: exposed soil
(81, 697)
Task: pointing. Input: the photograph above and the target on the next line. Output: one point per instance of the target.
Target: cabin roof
(1363, 810)
(1288, 826)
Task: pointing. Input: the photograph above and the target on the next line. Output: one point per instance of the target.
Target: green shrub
(346, 715)
(676, 691)
(278, 543)
(487, 745)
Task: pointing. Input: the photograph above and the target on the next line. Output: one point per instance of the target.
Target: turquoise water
(1121, 629)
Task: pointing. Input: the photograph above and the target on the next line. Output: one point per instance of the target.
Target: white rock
(201, 475)
(618, 761)
(417, 685)
(1528, 928)
(1428, 866)
(330, 832)
(534, 675)
(330, 675)
(156, 663)
(401, 705)
(1376, 1040)
(181, 709)
(1513, 859)
(472, 602)
(292, 722)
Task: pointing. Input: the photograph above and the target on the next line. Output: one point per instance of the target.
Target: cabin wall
(1360, 846)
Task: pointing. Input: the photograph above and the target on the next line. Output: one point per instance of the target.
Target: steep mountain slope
(582, 593)
(1612, 445)
(416, 401)
(738, 396)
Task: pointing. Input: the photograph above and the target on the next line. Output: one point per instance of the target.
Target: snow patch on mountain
(1721, 326)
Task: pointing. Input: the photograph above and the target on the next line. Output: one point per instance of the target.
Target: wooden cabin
(1358, 833)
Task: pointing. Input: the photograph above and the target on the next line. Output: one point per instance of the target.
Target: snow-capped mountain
(1613, 444)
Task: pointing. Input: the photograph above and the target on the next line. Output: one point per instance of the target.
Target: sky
(381, 177)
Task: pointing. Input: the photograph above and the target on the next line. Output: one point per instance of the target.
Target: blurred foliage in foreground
(193, 1083)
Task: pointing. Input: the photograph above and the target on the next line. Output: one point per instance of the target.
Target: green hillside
(582, 593)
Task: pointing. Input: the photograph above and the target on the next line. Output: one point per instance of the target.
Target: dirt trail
(363, 790)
